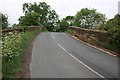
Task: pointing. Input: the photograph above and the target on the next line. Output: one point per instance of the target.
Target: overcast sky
(13, 8)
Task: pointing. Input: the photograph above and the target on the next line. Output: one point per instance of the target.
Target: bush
(13, 48)
(107, 45)
(114, 34)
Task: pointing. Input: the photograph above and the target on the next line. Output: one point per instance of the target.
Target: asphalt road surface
(57, 55)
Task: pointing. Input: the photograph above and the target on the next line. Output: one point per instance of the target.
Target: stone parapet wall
(88, 34)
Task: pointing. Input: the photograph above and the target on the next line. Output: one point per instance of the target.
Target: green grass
(11, 64)
(107, 45)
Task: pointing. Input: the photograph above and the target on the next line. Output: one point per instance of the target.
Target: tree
(29, 19)
(112, 23)
(45, 16)
(89, 18)
(42, 9)
(114, 31)
(113, 28)
(70, 20)
(63, 25)
(52, 21)
(14, 26)
(4, 21)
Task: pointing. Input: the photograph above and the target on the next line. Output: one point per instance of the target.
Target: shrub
(13, 46)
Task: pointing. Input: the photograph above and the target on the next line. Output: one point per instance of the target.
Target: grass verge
(13, 48)
(107, 45)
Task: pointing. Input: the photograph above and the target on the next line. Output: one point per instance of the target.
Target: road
(57, 55)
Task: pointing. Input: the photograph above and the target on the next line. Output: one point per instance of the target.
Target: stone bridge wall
(87, 34)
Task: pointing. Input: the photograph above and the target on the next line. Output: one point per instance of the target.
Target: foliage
(14, 25)
(29, 19)
(42, 9)
(113, 28)
(106, 45)
(76, 23)
(52, 21)
(112, 23)
(13, 45)
(63, 26)
(88, 18)
(69, 19)
(39, 14)
(4, 21)
(115, 33)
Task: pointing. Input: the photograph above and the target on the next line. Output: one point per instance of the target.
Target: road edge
(92, 45)
(26, 59)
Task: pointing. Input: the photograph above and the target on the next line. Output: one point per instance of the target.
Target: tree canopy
(112, 26)
(88, 18)
(52, 21)
(39, 14)
(70, 20)
(31, 18)
(4, 22)
(114, 30)
(63, 25)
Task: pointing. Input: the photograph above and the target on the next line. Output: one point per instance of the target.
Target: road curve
(57, 55)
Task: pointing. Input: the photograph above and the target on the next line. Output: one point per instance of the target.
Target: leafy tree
(76, 23)
(113, 28)
(70, 20)
(42, 13)
(4, 22)
(114, 31)
(29, 19)
(89, 18)
(110, 24)
(52, 21)
(42, 9)
(15, 25)
(63, 25)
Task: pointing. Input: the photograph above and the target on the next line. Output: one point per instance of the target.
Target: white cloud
(63, 7)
